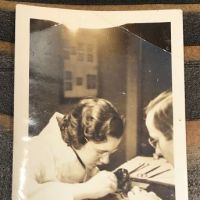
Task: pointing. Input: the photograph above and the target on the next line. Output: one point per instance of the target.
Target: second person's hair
(162, 109)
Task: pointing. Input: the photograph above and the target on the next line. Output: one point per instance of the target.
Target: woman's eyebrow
(114, 150)
(102, 151)
(105, 151)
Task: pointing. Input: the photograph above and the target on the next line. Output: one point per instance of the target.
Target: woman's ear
(62, 122)
(59, 120)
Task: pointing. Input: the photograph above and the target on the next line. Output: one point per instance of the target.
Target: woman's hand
(100, 185)
(139, 194)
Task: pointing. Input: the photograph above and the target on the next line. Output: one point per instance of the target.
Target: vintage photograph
(99, 105)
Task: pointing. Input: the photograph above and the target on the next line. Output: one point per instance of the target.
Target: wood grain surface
(115, 2)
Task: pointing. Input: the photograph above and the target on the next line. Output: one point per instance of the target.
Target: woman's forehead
(109, 145)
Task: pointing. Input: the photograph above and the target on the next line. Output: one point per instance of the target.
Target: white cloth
(51, 165)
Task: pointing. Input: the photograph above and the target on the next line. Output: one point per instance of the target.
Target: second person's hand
(139, 194)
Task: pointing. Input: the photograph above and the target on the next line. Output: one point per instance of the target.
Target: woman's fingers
(136, 189)
(130, 195)
(113, 181)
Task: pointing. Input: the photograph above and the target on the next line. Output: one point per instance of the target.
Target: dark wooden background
(191, 12)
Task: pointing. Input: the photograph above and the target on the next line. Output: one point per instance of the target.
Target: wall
(45, 76)
(46, 72)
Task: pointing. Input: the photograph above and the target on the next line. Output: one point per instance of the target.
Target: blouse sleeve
(40, 177)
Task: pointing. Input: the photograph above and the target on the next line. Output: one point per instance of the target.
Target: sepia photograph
(99, 105)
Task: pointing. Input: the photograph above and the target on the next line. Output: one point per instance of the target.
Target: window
(68, 86)
(68, 76)
(80, 51)
(90, 57)
(79, 81)
(90, 48)
(68, 80)
(73, 50)
(90, 52)
(91, 81)
(66, 54)
(80, 46)
(80, 56)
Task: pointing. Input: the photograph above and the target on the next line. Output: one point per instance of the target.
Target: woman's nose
(105, 159)
(158, 152)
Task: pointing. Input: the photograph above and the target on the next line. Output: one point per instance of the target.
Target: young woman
(62, 160)
(159, 122)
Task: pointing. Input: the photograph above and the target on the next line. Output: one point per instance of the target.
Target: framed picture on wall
(79, 49)
(103, 105)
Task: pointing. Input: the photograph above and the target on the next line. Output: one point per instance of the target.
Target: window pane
(68, 86)
(66, 54)
(79, 81)
(80, 57)
(89, 48)
(68, 76)
(91, 81)
(80, 46)
(73, 50)
(90, 57)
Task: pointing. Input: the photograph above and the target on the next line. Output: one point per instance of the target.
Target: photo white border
(103, 19)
